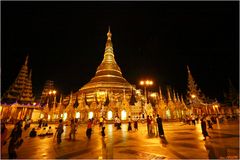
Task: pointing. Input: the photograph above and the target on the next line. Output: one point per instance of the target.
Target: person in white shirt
(43, 132)
(49, 132)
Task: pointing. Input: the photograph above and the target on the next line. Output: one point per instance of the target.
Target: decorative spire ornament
(160, 94)
(169, 95)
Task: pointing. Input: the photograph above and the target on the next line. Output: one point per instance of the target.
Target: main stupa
(108, 77)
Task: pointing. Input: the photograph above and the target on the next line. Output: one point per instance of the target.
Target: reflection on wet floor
(184, 142)
(211, 150)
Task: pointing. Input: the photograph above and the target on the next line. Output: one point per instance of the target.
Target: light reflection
(110, 116)
(41, 116)
(64, 116)
(78, 115)
(110, 129)
(124, 115)
(199, 131)
(90, 115)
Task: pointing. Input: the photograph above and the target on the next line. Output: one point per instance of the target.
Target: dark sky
(157, 40)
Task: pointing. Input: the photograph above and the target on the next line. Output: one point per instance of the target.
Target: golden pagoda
(108, 77)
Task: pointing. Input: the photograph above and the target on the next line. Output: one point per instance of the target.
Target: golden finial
(109, 34)
(188, 69)
(26, 61)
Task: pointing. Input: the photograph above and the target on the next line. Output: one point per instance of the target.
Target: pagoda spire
(169, 95)
(178, 98)
(160, 94)
(109, 34)
(108, 54)
(71, 98)
(14, 92)
(48, 86)
(108, 74)
(174, 96)
(26, 61)
(27, 95)
(75, 105)
(193, 88)
(132, 98)
(60, 101)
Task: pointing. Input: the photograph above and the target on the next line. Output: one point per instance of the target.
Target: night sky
(155, 40)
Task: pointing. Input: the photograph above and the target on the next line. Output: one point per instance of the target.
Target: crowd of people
(153, 124)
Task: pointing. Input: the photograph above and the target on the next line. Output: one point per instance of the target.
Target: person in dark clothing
(129, 123)
(33, 133)
(15, 140)
(103, 130)
(89, 129)
(160, 127)
(204, 128)
(135, 124)
(40, 123)
(148, 124)
(118, 123)
(59, 131)
(210, 124)
(163, 139)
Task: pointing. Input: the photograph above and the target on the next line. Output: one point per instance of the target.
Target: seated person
(49, 132)
(43, 132)
(33, 133)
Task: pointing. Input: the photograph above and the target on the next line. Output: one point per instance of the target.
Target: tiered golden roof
(108, 75)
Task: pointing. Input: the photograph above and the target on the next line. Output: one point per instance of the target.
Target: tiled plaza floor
(184, 142)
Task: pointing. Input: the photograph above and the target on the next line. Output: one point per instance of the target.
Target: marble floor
(184, 142)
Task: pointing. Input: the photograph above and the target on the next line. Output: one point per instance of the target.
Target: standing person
(129, 123)
(73, 130)
(136, 123)
(40, 123)
(118, 123)
(148, 124)
(59, 131)
(101, 121)
(103, 129)
(89, 129)
(151, 126)
(160, 127)
(204, 128)
(155, 126)
(115, 121)
(15, 140)
(209, 122)
(4, 132)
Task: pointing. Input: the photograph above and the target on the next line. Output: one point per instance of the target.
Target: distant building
(48, 86)
(21, 90)
(18, 101)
